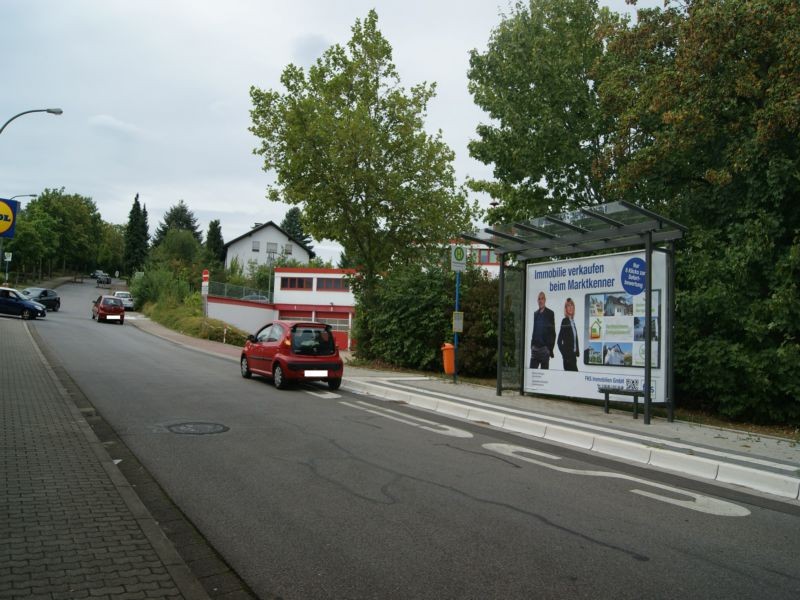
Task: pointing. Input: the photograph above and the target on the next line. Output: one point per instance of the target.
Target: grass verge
(189, 320)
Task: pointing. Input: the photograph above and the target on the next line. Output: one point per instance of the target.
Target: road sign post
(458, 263)
(204, 292)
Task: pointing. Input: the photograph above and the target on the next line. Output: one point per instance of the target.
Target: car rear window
(112, 301)
(313, 341)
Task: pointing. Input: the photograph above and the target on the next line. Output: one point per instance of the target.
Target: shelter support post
(670, 332)
(501, 324)
(648, 325)
(522, 340)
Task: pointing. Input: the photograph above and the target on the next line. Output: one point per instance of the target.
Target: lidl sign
(8, 217)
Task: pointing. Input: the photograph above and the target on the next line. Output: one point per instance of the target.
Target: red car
(108, 308)
(293, 351)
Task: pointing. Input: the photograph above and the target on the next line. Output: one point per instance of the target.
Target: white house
(263, 244)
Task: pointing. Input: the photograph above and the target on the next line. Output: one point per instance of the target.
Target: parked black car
(46, 296)
(103, 278)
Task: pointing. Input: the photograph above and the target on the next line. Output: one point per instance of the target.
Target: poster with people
(586, 325)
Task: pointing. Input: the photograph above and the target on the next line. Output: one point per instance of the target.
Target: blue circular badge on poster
(633, 275)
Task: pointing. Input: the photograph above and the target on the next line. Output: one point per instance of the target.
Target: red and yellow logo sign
(6, 218)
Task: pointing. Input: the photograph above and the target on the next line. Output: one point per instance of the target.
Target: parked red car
(293, 351)
(108, 308)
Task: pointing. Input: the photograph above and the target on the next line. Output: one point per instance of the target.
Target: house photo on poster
(614, 329)
(585, 325)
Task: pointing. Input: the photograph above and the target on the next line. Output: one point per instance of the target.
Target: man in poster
(544, 335)
(568, 337)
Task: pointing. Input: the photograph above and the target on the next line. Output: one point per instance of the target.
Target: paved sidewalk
(70, 525)
(757, 463)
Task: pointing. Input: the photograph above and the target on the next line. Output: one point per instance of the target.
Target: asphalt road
(310, 494)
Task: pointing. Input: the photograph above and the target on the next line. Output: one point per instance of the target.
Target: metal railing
(238, 292)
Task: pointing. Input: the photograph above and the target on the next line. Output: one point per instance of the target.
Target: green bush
(411, 316)
(159, 285)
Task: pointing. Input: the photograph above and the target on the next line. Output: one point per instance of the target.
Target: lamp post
(52, 111)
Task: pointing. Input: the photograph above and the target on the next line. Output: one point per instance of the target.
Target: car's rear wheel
(246, 372)
(334, 383)
(278, 377)
(56, 306)
(122, 321)
(26, 314)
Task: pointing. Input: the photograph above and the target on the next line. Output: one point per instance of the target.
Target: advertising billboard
(585, 326)
(8, 217)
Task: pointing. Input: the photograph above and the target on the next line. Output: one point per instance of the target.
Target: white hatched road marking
(409, 420)
(698, 502)
(644, 439)
(327, 395)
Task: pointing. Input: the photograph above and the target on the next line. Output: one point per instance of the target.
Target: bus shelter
(606, 276)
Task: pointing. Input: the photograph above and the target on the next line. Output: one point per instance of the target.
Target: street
(313, 494)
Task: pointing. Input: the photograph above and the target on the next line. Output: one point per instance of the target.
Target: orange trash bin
(449, 359)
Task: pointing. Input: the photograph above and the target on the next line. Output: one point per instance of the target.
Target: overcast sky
(156, 100)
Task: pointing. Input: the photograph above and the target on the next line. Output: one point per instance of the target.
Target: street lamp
(52, 111)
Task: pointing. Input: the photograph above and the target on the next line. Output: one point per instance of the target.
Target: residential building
(263, 245)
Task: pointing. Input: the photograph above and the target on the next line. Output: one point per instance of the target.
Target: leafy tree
(546, 129)
(77, 227)
(111, 247)
(348, 144)
(178, 217)
(179, 246)
(705, 106)
(137, 234)
(215, 246)
(34, 241)
(293, 225)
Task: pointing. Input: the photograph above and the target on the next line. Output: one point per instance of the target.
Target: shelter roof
(591, 229)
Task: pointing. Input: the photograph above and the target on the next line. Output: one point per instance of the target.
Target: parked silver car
(127, 299)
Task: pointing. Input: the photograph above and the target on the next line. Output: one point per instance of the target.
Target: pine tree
(215, 246)
(293, 225)
(136, 237)
(178, 217)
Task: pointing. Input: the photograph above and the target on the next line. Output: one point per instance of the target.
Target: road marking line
(409, 420)
(698, 502)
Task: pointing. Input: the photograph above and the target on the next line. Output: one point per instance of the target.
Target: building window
(336, 324)
(297, 283)
(486, 257)
(287, 249)
(272, 248)
(334, 284)
(256, 246)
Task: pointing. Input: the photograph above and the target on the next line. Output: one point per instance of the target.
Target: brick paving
(70, 525)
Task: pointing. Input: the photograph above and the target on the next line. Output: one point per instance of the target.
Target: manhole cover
(197, 428)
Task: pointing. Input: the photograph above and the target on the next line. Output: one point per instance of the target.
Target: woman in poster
(568, 338)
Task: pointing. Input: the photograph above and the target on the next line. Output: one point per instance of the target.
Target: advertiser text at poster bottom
(586, 385)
